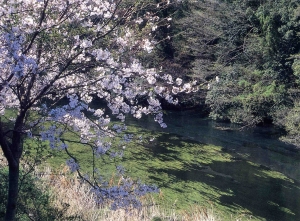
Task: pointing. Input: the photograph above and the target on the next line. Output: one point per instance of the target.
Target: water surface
(249, 171)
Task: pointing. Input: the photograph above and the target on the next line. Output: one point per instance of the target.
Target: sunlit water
(267, 197)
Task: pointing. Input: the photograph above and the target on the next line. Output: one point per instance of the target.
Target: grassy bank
(57, 194)
(193, 178)
(169, 162)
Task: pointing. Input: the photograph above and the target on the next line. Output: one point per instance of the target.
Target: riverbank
(235, 177)
(65, 197)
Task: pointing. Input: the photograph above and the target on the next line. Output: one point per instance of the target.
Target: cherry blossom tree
(75, 50)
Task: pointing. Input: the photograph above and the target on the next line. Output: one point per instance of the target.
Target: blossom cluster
(125, 195)
(56, 56)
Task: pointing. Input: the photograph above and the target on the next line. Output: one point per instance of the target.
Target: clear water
(267, 197)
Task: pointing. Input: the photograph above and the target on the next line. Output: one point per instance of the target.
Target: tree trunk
(13, 185)
(15, 151)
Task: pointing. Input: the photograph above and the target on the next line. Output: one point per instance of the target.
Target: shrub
(33, 204)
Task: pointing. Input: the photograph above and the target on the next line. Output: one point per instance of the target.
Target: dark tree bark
(13, 186)
(12, 148)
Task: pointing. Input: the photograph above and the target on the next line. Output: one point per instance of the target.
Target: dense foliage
(33, 203)
(245, 54)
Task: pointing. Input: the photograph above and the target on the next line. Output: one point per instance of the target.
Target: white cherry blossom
(56, 57)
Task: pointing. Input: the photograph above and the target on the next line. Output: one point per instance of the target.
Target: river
(262, 177)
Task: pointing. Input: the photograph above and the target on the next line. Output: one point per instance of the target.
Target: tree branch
(6, 147)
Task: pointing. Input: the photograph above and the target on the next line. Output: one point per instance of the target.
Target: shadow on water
(239, 182)
(254, 187)
(248, 170)
(260, 144)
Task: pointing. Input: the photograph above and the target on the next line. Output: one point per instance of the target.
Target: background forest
(245, 55)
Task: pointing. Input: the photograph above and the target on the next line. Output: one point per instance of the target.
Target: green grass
(189, 173)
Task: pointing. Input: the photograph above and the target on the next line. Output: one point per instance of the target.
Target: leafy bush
(33, 204)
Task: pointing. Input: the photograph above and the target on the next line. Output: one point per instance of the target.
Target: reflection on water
(249, 179)
(258, 144)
